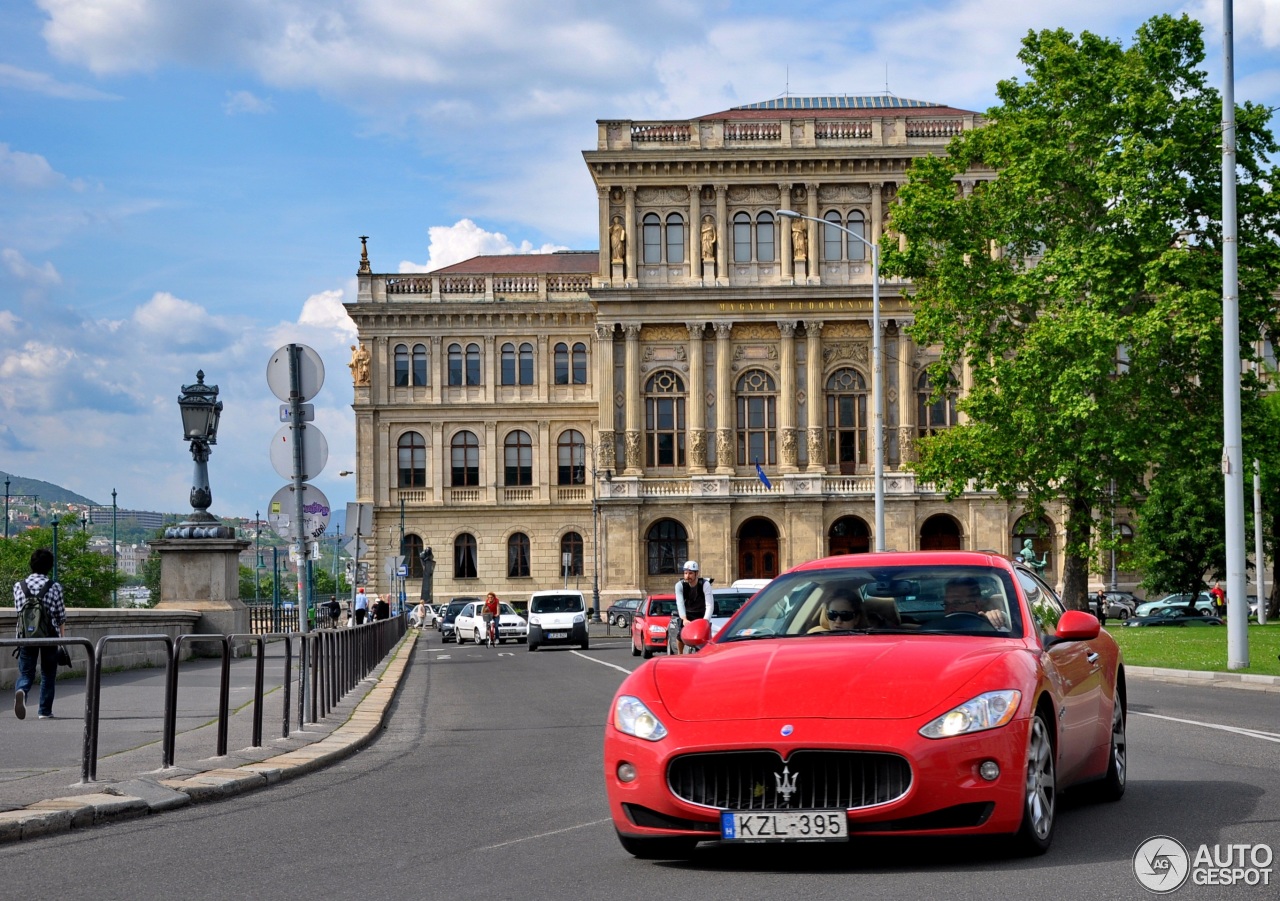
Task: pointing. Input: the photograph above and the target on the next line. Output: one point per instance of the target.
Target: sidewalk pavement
(40, 760)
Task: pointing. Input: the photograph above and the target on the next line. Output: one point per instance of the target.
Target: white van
(557, 616)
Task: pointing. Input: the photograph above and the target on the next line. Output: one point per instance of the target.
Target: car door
(1074, 669)
(637, 625)
(464, 621)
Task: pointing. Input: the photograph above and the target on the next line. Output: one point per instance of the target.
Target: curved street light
(877, 368)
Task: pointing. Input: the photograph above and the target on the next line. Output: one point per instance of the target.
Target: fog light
(989, 770)
(626, 772)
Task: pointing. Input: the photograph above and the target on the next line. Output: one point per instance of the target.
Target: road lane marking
(1252, 733)
(516, 841)
(602, 663)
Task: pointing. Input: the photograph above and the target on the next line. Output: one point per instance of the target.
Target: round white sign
(282, 510)
(310, 373)
(315, 451)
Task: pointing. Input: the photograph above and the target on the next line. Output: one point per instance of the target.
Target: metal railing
(332, 661)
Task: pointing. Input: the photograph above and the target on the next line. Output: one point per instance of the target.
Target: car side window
(1046, 607)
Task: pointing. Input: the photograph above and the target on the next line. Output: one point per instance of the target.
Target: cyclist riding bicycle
(490, 614)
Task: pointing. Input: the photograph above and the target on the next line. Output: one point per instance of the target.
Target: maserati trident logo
(786, 782)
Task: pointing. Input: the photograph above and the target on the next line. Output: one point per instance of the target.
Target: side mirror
(1077, 625)
(697, 633)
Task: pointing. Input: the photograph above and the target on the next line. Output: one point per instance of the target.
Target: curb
(144, 796)
(1249, 681)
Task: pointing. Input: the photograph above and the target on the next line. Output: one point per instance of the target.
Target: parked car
(1120, 604)
(1175, 616)
(451, 611)
(469, 624)
(620, 613)
(938, 722)
(557, 617)
(727, 602)
(1202, 601)
(649, 625)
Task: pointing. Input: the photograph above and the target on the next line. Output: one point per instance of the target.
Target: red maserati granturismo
(924, 693)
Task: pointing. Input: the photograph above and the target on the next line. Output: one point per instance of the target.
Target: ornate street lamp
(200, 410)
(877, 364)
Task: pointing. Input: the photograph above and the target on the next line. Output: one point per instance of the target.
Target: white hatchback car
(557, 617)
(469, 625)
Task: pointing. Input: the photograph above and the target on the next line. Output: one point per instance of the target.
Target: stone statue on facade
(799, 239)
(617, 241)
(428, 574)
(1028, 555)
(359, 365)
(708, 238)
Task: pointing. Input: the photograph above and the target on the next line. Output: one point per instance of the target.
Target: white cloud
(18, 266)
(246, 102)
(46, 85)
(449, 244)
(8, 323)
(26, 170)
(177, 324)
(1252, 20)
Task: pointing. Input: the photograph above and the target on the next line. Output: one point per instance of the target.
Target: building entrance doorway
(757, 550)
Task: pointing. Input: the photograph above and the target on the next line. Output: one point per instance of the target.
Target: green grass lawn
(1197, 647)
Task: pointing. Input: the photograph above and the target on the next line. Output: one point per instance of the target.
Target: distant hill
(46, 491)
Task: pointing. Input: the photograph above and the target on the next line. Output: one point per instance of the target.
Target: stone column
(544, 474)
(722, 252)
(604, 395)
(816, 396)
(634, 461)
(629, 221)
(492, 451)
(542, 372)
(877, 212)
(437, 373)
(602, 194)
(378, 371)
(697, 399)
(725, 455)
(789, 458)
(437, 462)
(784, 233)
(812, 266)
(490, 366)
(906, 396)
(695, 232)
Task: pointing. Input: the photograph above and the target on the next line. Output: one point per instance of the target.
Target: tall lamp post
(55, 547)
(595, 536)
(200, 410)
(877, 367)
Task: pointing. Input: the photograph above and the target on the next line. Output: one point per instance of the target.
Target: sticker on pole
(315, 513)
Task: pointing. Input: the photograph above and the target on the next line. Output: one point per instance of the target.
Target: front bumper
(946, 795)
(575, 634)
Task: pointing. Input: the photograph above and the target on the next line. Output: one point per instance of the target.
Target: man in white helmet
(693, 598)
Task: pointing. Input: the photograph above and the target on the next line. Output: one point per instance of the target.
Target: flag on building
(763, 478)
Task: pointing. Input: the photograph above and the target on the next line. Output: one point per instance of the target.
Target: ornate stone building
(513, 408)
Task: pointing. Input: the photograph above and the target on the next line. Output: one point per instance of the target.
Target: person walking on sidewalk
(362, 606)
(38, 588)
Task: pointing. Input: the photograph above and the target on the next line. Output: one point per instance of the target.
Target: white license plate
(784, 826)
(557, 634)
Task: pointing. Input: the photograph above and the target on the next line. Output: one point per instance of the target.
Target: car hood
(863, 677)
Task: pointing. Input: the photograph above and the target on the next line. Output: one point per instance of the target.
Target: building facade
(699, 387)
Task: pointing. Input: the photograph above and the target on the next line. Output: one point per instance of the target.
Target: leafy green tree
(1068, 253)
(87, 577)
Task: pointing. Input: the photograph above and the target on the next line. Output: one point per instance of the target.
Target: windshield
(968, 600)
(557, 603)
(728, 604)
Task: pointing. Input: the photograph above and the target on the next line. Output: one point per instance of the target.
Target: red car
(924, 693)
(649, 624)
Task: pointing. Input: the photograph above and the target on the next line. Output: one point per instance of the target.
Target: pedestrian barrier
(331, 661)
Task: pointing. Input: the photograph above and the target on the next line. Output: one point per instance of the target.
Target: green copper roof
(841, 101)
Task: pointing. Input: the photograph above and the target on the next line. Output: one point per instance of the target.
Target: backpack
(33, 619)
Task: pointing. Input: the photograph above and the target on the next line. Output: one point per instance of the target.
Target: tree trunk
(1075, 570)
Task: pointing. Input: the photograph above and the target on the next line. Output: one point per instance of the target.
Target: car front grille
(807, 780)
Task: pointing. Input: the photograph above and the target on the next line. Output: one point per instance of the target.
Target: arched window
(455, 365)
(412, 551)
(832, 237)
(517, 459)
(764, 238)
(508, 364)
(579, 363)
(741, 238)
(857, 225)
(571, 458)
(933, 414)
(401, 376)
(464, 460)
(675, 238)
(651, 232)
(561, 356)
(526, 363)
(411, 460)
(847, 420)
(517, 367)
(571, 544)
(464, 557)
(666, 547)
(473, 364)
(757, 419)
(518, 556)
(419, 364)
(664, 412)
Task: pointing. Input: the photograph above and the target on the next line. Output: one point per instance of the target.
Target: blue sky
(183, 182)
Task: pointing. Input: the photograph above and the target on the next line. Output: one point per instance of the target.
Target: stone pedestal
(617, 273)
(708, 271)
(801, 268)
(203, 575)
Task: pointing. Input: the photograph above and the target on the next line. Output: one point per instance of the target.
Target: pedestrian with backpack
(41, 614)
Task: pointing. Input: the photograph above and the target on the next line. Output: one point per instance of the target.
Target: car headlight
(580, 618)
(535, 620)
(987, 711)
(658, 630)
(632, 717)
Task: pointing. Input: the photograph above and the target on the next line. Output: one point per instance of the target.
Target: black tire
(635, 651)
(1112, 786)
(647, 653)
(658, 848)
(476, 636)
(1040, 791)
(532, 646)
(586, 644)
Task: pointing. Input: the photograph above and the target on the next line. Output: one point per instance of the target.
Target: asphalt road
(487, 784)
